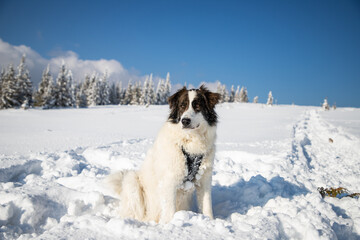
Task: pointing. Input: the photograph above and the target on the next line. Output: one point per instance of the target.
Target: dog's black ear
(174, 99)
(212, 98)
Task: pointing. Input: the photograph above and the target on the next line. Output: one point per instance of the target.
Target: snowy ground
(268, 166)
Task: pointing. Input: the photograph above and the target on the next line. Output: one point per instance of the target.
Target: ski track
(270, 193)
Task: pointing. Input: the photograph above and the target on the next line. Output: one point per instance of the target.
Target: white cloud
(212, 86)
(10, 54)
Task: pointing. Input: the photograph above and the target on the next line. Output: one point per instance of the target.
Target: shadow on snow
(243, 195)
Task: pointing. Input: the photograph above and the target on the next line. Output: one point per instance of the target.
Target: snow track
(265, 182)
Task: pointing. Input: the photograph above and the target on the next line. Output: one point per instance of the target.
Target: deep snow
(268, 166)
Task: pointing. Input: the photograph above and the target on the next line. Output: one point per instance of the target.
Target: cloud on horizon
(10, 54)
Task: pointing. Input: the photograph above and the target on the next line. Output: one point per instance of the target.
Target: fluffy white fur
(157, 190)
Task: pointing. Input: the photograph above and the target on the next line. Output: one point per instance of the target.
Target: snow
(270, 160)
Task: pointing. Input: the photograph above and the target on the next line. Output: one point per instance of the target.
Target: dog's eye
(183, 105)
(196, 107)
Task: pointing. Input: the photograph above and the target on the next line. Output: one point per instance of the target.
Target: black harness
(193, 162)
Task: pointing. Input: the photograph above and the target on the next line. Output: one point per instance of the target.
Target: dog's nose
(186, 122)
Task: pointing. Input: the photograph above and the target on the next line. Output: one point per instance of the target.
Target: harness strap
(193, 162)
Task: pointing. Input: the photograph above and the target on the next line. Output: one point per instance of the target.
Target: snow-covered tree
(256, 99)
(160, 92)
(237, 94)
(49, 96)
(71, 87)
(128, 94)
(2, 74)
(81, 99)
(151, 93)
(104, 91)
(225, 94)
(145, 92)
(135, 94)
(45, 90)
(270, 99)
(121, 92)
(114, 95)
(86, 85)
(326, 105)
(62, 90)
(163, 91)
(221, 89)
(243, 95)
(95, 91)
(9, 96)
(24, 85)
(167, 89)
(232, 94)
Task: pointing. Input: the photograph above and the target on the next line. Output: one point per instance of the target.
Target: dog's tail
(127, 185)
(115, 181)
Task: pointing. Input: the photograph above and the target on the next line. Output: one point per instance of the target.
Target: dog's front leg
(168, 201)
(203, 194)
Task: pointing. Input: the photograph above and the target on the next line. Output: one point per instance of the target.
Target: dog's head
(193, 108)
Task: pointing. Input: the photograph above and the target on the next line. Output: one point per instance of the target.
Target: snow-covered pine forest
(17, 90)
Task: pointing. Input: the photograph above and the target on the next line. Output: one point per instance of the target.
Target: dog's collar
(193, 162)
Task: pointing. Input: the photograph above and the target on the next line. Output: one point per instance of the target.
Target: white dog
(180, 161)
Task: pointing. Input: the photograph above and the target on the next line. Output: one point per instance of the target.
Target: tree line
(16, 90)
(240, 95)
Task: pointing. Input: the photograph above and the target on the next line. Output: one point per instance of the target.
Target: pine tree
(120, 92)
(9, 96)
(220, 91)
(237, 94)
(86, 88)
(151, 93)
(243, 95)
(160, 90)
(167, 89)
(104, 90)
(49, 95)
(2, 74)
(40, 96)
(135, 94)
(62, 90)
(232, 94)
(71, 88)
(225, 93)
(81, 100)
(95, 91)
(128, 94)
(270, 99)
(256, 99)
(145, 92)
(24, 85)
(114, 95)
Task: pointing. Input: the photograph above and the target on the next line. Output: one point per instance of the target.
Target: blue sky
(303, 51)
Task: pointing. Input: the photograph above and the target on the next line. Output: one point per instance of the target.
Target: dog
(179, 162)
